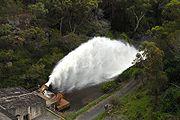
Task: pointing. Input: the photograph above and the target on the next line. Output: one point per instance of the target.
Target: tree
(9, 7)
(38, 12)
(127, 15)
(69, 15)
(35, 75)
(152, 62)
(35, 41)
(171, 11)
(70, 42)
(9, 38)
(166, 38)
(139, 9)
(116, 12)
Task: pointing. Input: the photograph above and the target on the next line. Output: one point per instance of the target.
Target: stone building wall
(22, 104)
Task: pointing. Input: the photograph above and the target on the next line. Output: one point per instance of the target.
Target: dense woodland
(35, 34)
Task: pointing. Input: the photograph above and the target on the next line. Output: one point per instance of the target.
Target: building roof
(11, 98)
(4, 115)
(8, 92)
(48, 100)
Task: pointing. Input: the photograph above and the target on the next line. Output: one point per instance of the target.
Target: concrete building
(19, 104)
(4, 115)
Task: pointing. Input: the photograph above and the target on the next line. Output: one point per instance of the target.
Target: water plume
(96, 61)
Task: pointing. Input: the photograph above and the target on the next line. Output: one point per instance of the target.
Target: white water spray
(94, 62)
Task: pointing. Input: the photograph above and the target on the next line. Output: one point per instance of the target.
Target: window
(26, 117)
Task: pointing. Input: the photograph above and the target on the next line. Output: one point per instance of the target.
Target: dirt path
(97, 109)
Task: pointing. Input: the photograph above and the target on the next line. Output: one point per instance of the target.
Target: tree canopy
(36, 34)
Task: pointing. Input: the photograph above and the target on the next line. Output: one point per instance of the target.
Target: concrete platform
(47, 116)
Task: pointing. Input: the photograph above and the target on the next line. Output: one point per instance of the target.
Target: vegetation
(100, 116)
(139, 105)
(35, 34)
(109, 86)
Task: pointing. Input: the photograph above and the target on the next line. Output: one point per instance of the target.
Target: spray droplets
(94, 62)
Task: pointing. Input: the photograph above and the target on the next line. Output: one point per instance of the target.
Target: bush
(115, 101)
(5, 29)
(170, 101)
(131, 73)
(70, 42)
(109, 86)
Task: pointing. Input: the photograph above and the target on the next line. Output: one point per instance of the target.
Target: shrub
(70, 42)
(109, 86)
(170, 101)
(131, 73)
(115, 101)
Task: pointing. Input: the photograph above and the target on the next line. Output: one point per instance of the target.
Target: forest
(36, 34)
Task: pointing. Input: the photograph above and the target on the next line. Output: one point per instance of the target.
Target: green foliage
(172, 10)
(54, 37)
(132, 17)
(116, 102)
(70, 42)
(125, 37)
(95, 28)
(38, 9)
(109, 34)
(101, 116)
(166, 38)
(154, 58)
(35, 41)
(6, 36)
(169, 108)
(136, 105)
(69, 15)
(170, 101)
(10, 7)
(6, 56)
(109, 86)
(164, 116)
(52, 58)
(153, 68)
(35, 75)
(5, 29)
(131, 73)
(35, 35)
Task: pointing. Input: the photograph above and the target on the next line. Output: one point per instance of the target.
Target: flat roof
(4, 115)
(11, 98)
(48, 100)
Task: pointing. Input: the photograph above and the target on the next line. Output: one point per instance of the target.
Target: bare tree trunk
(74, 29)
(156, 92)
(70, 26)
(138, 19)
(60, 25)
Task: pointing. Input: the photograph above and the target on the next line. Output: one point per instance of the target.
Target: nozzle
(43, 88)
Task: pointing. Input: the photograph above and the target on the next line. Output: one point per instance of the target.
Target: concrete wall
(30, 111)
(37, 111)
(4, 117)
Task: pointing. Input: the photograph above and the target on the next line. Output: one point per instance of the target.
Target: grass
(135, 106)
(138, 105)
(100, 116)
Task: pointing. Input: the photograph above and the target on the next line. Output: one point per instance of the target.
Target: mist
(96, 61)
